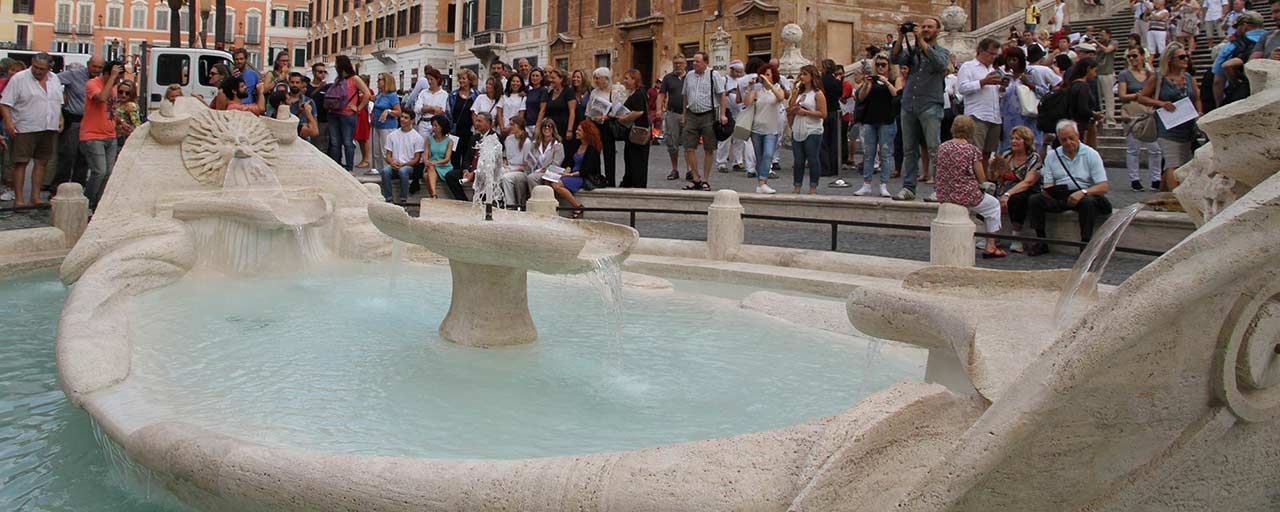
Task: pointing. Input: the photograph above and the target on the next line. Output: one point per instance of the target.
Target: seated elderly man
(1074, 179)
(455, 179)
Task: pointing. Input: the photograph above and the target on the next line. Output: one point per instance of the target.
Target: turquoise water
(344, 360)
(49, 460)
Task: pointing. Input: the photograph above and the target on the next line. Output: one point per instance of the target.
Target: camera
(907, 27)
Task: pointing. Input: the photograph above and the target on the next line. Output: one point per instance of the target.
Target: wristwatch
(1084, 191)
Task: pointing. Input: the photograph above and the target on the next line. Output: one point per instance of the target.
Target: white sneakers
(865, 190)
(372, 172)
(6, 194)
(765, 189)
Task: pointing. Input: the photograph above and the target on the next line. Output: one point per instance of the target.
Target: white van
(188, 67)
(60, 60)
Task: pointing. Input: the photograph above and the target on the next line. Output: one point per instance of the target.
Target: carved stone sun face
(218, 136)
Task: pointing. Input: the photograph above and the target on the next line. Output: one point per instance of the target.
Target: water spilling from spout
(1082, 284)
(606, 278)
(397, 254)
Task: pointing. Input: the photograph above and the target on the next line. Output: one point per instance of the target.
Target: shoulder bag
(744, 122)
(1144, 127)
(1030, 105)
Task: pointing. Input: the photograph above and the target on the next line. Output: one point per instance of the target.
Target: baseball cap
(736, 64)
(1250, 17)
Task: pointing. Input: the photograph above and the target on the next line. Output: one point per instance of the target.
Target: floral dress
(956, 182)
(128, 118)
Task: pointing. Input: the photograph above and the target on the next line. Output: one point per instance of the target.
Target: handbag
(617, 130)
(1062, 193)
(639, 136)
(746, 118)
(1027, 100)
(1144, 127)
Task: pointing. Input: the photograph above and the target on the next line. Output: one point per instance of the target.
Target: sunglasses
(1182, 57)
(881, 65)
(1134, 56)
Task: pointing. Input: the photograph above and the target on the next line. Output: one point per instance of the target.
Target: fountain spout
(488, 211)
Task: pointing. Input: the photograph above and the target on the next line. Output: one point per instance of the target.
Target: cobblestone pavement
(24, 219)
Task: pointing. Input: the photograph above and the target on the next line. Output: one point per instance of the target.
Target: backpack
(336, 97)
(1237, 88)
(1053, 108)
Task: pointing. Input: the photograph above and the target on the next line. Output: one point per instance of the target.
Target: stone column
(724, 226)
(489, 306)
(542, 201)
(951, 237)
(70, 211)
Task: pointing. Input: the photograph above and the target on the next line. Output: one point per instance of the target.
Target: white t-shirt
(1213, 10)
(512, 105)
(438, 99)
(511, 149)
(486, 105)
(403, 145)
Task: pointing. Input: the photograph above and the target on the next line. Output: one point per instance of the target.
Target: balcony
(84, 29)
(63, 27)
(384, 50)
(252, 38)
(485, 45)
(15, 45)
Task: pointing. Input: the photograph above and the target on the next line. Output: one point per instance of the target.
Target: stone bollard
(724, 226)
(951, 237)
(70, 211)
(542, 201)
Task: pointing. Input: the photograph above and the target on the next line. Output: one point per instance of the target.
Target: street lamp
(204, 26)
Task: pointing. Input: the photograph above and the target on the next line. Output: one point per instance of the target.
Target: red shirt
(99, 120)
(957, 183)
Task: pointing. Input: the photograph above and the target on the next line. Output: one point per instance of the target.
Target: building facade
(287, 24)
(16, 18)
(384, 36)
(647, 34)
(117, 28)
(501, 30)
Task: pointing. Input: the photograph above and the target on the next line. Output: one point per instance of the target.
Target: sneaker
(738, 168)
(773, 175)
(765, 189)
(674, 175)
(840, 183)
(877, 165)
(1155, 185)
(722, 169)
(1136, 186)
(7, 194)
(884, 190)
(931, 198)
(372, 172)
(751, 174)
(776, 166)
(905, 194)
(865, 189)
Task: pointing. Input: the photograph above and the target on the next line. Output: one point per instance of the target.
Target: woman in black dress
(534, 97)
(635, 157)
(460, 115)
(560, 107)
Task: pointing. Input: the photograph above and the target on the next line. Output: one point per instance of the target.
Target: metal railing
(63, 27)
(835, 227)
(84, 29)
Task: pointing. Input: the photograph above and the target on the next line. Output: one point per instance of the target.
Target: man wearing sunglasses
(320, 84)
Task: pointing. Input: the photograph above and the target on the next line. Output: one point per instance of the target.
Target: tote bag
(742, 130)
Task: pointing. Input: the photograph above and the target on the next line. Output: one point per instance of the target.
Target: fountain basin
(489, 261)
(554, 245)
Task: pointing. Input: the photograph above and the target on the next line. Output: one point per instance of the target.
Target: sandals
(998, 253)
(698, 185)
(706, 186)
(577, 214)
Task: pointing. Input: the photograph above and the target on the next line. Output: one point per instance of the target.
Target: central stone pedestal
(490, 306)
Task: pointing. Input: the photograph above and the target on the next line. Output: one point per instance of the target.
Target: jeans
(1133, 149)
(405, 173)
(764, 146)
(877, 141)
(342, 132)
(924, 126)
(808, 151)
(101, 154)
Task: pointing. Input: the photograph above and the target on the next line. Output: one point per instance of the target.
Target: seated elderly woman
(515, 150)
(959, 172)
(1074, 179)
(1018, 172)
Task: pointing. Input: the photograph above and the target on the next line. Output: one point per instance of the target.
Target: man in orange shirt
(98, 129)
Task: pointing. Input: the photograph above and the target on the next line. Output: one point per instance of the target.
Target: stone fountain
(489, 260)
(1161, 394)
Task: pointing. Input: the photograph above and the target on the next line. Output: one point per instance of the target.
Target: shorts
(34, 146)
(673, 129)
(700, 125)
(1175, 153)
(986, 136)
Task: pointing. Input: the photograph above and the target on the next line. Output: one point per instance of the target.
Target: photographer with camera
(921, 116)
(98, 128)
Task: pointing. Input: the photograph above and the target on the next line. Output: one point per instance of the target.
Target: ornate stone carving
(953, 18)
(216, 136)
(1248, 367)
(792, 60)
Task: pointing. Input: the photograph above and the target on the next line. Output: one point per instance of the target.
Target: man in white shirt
(979, 83)
(403, 150)
(1213, 13)
(32, 111)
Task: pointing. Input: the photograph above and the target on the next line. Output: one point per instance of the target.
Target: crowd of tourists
(1018, 122)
